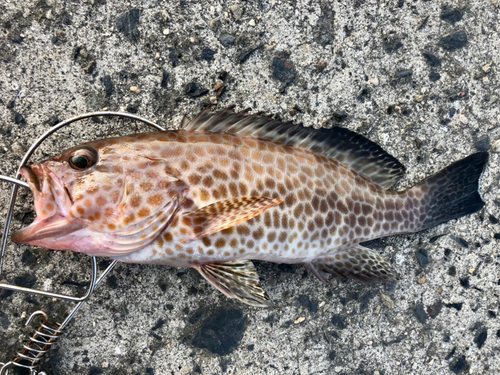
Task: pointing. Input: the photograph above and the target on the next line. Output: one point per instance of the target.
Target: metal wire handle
(18, 183)
(48, 333)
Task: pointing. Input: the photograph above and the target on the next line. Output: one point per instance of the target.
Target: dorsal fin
(340, 144)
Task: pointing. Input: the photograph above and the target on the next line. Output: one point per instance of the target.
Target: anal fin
(358, 263)
(237, 279)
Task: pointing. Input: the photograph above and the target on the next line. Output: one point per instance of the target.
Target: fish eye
(82, 159)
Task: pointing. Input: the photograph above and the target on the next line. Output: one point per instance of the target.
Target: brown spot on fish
(220, 175)
(135, 201)
(204, 195)
(258, 234)
(243, 230)
(128, 219)
(220, 243)
(224, 162)
(144, 212)
(308, 209)
(194, 179)
(101, 201)
(155, 200)
(208, 181)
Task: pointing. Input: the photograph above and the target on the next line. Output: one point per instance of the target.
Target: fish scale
(324, 204)
(229, 188)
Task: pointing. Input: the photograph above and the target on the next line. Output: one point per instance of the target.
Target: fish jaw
(55, 232)
(53, 227)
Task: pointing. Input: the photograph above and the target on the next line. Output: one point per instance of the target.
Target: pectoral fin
(358, 263)
(237, 279)
(226, 214)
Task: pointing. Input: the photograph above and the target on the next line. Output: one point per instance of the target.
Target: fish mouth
(52, 206)
(49, 228)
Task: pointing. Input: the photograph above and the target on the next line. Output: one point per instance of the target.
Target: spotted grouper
(228, 188)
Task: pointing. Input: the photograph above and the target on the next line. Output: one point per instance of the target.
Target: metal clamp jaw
(47, 333)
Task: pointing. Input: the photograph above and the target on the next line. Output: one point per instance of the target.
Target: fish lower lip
(55, 226)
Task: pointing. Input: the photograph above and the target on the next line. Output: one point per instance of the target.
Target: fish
(228, 188)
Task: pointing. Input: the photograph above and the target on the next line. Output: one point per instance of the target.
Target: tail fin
(454, 191)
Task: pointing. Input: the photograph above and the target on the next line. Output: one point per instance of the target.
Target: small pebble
(486, 80)
(387, 301)
(423, 257)
(480, 338)
(482, 144)
(19, 119)
(251, 22)
(166, 31)
(451, 16)
(432, 59)
(90, 67)
(419, 98)
(373, 81)
(495, 146)
(486, 68)
(299, 320)
(105, 364)
(213, 100)
(421, 314)
(135, 89)
(434, 76)
(17, 150)
(237, 11)
(422, 280)
(459, 365)
(219, 88)
(454, 41)
(227, 40)
(377, 309)
(215, 23)
(463, 119)
(492, 100)
(495, 3)
(320, 66)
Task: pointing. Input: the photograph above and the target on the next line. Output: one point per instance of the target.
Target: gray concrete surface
(360, 64)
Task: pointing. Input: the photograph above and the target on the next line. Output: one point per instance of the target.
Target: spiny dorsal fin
(225, 214)
(340, 144)
(237, 279)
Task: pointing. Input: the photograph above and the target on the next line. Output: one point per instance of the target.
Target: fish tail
(451, 193)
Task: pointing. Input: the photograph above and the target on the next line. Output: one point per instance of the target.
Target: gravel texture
(417, 77)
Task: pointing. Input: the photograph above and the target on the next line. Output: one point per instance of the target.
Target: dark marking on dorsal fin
(348, 148)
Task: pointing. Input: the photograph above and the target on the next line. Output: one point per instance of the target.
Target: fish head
(100, 198)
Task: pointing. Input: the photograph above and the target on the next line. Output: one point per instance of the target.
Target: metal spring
(47, 334)
(39, 344)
